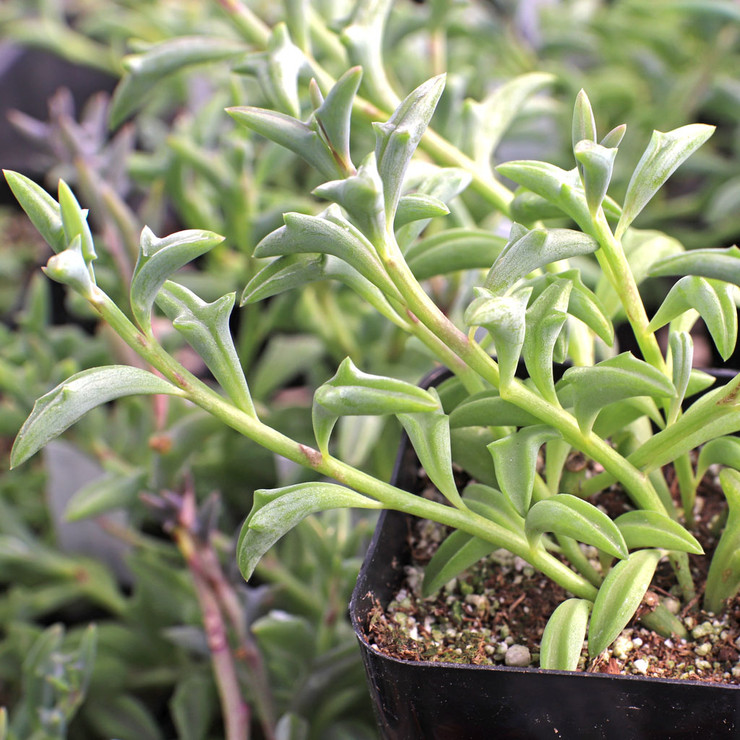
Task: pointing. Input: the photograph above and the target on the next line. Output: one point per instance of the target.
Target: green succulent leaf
(515, 461)
(612, 380)
(597, 163)
(397, 139)
(429, 432)
(492, 117)
(614, 138)
(205, 326)
(456, 554)
(74, 222)
(529, 250)
(278, 510)
(664, 154)
(716, 264)
(714, 302)
(44, 212)
(61, 407)
(417, 207)
(723, 579)
(104, 494)
(487, 408)
(328, 233)
(70, 268)
(159, 62)
(584, 123)
(721, 451)
(682, 356)
(160, 258)
(350, 392)
(291, 134)
(503, 316)
(642, 528)
(334, 115)
(562, 640)
(583, 303)
(296, 270)
(559, 187)
(545, 320)
(277, 69)
(452, 250)
(713, 415)
(570, 516)
(619, 596)
(361, 195)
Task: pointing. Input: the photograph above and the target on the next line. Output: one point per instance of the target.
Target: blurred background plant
(147, 555)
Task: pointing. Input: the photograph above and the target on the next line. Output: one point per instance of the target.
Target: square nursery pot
(443, 701)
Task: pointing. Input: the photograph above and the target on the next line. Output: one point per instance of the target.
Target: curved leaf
(717, 264)
(712, 299)
(723, 579)
(71, 400)
(515, 461)
(487, 408)
(619, 596)
(642, 528)
(529, 250)
(158, 259)
(278, 510)
(597, 163)
(565, 632)
(663, 155)
(453, 250)
(564, 514)
(457, 553)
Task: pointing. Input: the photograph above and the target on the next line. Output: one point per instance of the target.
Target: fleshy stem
(384, 493)
(623, 282)
(634, 480)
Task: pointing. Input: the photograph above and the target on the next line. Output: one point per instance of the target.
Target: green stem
(387, 495)
(613, 261)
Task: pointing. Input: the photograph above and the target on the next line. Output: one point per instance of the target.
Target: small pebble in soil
(518, 655)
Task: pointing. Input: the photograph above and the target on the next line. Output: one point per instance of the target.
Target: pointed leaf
(723, 579)
(612, 380)
(146, 69)
(584, 124)
(334, 114)
(597, 163)
(291, 134)
(642, 528)
(453, 250)
(717, 264)
(72, 399)
(557, 186)
(515, 461)
(278, 510)
(664, 154)
(41, 208)
(565, 632)
(327, 233)
(619, 596)
(429, 432)
(545, 319)
(487, 408)
(456, 554)
(417, 206)
(614, 138)
(352, 392)
(714, 302)
(504, 319)
(74, 221)
(721, 451)
(493, 116)
(397, 139)
(103, 495)
(529, 250)
(70, 268)
(160, 258)
(206, 328)
(574, 517)
(682, 356)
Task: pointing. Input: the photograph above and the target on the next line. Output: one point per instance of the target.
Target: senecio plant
(520, 420)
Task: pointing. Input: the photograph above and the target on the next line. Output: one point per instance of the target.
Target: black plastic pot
(442, 701)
